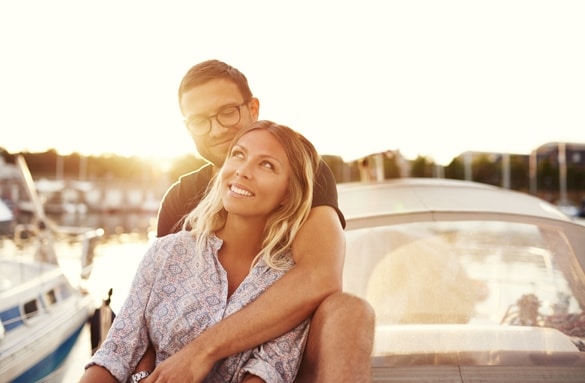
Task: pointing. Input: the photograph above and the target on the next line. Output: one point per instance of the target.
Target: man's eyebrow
(201, 115)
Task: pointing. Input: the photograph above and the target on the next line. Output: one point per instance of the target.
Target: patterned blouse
(176, 294)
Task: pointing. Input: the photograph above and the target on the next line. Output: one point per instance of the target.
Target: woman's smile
(239, 190)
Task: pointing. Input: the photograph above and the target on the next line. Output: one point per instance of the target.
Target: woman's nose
(243, 171)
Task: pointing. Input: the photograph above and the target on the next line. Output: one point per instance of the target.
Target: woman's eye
(268, 165)
(237, 153)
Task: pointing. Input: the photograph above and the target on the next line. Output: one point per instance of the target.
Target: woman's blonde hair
(285, 222)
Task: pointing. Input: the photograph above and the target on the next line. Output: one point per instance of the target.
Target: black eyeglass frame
(202, 132)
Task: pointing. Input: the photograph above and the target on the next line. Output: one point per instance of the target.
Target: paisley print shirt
(176, 294)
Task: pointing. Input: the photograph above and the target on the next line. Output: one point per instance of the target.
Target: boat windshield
(480, 273)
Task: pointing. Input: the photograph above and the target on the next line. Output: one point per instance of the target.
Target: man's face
(208, 100)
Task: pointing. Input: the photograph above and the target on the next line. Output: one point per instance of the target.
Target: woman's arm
(97, 374)
(147, 362)
(127, 339)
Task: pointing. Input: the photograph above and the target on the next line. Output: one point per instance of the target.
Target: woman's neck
(242, 241)
(242, 234)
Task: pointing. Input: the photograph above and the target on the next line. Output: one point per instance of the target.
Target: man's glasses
(227, 117)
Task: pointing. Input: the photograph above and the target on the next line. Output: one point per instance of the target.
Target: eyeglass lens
(226, 117)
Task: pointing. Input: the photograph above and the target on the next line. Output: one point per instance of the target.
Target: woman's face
(255, 175)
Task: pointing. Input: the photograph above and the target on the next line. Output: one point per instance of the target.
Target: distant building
(554, 171)
(574, 153)
(559, 166)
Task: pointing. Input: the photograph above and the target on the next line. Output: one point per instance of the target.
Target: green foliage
(486, 170)
(519, 173)
(105, 167)
(421, 167)
(336, 165)
(391, 167)
(185, 164)
(455, 170)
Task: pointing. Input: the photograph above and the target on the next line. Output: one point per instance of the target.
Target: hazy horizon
(427, 78)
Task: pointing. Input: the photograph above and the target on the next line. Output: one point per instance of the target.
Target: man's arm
(319, 251)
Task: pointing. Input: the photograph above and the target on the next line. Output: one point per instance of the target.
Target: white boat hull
(33, 348)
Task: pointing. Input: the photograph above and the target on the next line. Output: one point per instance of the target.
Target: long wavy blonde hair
(285, 222)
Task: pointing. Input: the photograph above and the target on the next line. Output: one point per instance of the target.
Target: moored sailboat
(42, 313)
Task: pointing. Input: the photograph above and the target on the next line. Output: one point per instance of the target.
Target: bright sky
(432, 78)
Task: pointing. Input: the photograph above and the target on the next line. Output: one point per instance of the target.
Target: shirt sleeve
(128, 339)
(279, 359)
(325, 190)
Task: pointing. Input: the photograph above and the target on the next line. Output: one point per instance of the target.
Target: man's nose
(216, 128)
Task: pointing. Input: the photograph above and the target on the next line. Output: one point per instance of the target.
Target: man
(216, 101)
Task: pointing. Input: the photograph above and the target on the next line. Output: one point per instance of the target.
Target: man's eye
(228, 112)
(197, 121)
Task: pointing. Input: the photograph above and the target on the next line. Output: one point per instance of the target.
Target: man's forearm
(284, 305)
(279, 309)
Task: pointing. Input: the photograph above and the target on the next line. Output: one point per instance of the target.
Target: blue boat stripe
(51, 362)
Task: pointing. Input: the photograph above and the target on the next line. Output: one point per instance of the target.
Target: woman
(233, 246)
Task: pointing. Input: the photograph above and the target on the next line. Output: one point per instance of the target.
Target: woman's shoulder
(184, 242)
(172, 245)
(178, 237)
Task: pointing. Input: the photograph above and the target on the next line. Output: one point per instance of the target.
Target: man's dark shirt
(185, 194)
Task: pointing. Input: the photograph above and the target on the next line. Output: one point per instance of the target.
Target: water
(139, 223)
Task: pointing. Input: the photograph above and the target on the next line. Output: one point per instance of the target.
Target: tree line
(51, 165)
(484, 168)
